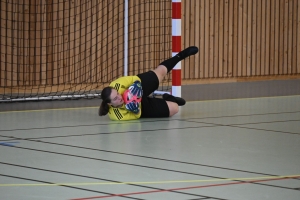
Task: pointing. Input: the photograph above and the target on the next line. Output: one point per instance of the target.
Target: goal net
(72, 49)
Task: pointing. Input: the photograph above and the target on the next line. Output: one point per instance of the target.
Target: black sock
(178, 100)
(171, 62)
(170, 98)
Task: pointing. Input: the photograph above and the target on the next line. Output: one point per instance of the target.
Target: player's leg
(173, 108)
(150, 80)
(157, 107)
(179, 101)
(167, 65)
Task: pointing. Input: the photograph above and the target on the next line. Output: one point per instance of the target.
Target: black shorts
(152, 107)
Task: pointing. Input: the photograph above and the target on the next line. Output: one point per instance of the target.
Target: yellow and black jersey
(122, 114)
(122, 84)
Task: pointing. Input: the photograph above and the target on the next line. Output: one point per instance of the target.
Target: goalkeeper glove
(136, 89)
(133, 107)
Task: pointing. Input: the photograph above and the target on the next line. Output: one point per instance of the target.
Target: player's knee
(160, 72)
(173, 108)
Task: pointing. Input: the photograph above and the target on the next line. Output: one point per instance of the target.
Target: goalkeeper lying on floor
(127, 98)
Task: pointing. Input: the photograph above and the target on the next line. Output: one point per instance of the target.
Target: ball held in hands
(133, 96)
(129, 97)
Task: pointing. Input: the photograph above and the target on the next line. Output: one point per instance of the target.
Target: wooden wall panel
(244, 38)
(202, 40)
(294, 44)
(298, 39)
(210, 28)
(230, 38)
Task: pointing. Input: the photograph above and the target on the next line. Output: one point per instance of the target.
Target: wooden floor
(213, 149)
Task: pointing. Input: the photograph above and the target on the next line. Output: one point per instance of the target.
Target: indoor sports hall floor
(235, 141)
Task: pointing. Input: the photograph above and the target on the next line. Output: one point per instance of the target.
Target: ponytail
(105, 96)
(103, 110)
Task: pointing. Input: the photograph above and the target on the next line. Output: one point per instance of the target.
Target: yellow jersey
(122, 84)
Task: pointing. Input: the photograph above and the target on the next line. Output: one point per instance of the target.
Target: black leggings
(152, 107)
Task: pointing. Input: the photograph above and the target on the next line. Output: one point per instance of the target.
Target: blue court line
(10, 144)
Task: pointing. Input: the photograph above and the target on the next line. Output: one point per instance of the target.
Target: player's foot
(178, 100)
(192, 50)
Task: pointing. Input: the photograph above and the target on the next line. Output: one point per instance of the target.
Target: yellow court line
(154, 182)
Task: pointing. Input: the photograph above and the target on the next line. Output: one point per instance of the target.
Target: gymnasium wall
(242, 39)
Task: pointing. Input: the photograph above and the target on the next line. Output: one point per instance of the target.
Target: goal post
(176, 46)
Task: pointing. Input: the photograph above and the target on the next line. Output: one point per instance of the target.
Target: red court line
(184, 188)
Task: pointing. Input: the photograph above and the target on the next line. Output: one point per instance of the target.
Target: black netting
(72, 49)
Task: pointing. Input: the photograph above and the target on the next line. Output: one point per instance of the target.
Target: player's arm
(136, 89)
(123, 83)
(133, 107)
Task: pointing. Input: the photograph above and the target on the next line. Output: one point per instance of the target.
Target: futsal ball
(128, 97)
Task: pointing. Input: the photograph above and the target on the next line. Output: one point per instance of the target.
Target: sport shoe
(192, 50)
(178, 100)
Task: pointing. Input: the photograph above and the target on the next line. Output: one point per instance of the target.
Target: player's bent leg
(171, 62)
(161, 71)
(178, 100)
(173, 108)
(167, 65)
